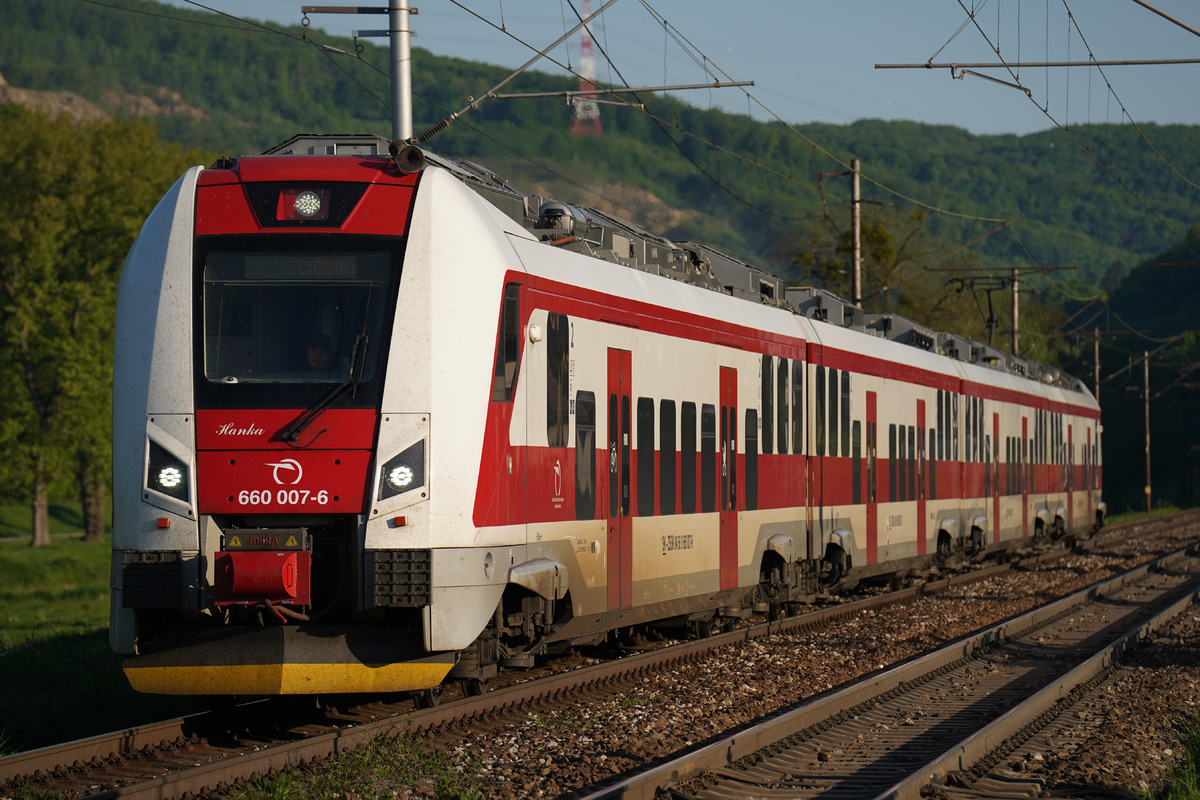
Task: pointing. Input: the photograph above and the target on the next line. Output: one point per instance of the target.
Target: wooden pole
(856, 224)
(1146, 391)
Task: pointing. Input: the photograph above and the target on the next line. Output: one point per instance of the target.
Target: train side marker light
(164, 522)
(400, 522)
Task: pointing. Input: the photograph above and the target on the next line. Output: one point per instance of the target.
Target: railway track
(928, 722)
(196, 754)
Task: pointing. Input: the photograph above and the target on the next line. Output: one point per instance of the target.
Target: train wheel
(428, 698)
(473, 687)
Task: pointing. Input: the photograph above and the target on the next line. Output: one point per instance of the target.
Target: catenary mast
(587, 110)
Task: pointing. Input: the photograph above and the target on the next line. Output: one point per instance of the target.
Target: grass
(1129, 515)
(379, 769)
(1184, 780)
(16, 520)
(61, 681)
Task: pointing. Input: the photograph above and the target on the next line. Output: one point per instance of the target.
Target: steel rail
(721, 754)
(128, 742)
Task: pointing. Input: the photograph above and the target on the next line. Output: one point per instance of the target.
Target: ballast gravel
(1126, 745)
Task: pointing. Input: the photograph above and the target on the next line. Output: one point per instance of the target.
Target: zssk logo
(287, 465)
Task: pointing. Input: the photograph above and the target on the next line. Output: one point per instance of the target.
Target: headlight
(404, 472)
(166, 474)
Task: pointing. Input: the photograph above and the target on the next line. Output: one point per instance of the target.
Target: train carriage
(380, 424)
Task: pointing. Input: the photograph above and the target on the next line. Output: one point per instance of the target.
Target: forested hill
(233, 91)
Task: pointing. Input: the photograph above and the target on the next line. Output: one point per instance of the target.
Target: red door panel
(729, 479)
(620, 529)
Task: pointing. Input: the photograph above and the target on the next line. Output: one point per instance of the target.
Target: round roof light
(308, 203)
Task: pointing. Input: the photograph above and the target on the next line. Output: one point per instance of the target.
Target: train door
(620, 528)
(995, 468)
(872, 486)
(729, 482)
(1088, 472)
(1070, 479)
(1023, 474)
(920, 456)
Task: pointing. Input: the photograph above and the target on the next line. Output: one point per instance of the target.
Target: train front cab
(256, 315)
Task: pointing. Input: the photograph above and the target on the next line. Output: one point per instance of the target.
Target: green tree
(73, 199)
(898, 250)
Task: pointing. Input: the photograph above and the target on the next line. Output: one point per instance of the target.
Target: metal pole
(1096, 361)
(856, 226)
(401, 41)
(1146, 390)
(1015, 313)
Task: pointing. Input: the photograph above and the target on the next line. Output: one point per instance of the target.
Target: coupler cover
(255, 567)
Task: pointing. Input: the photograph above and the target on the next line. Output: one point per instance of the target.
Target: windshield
(292, 317)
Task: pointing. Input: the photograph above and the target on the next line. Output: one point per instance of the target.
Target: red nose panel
(269, 482)
(253, 575)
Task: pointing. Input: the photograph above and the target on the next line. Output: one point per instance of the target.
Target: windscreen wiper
(358, 356)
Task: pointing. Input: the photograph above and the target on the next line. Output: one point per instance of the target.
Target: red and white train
(381, 426)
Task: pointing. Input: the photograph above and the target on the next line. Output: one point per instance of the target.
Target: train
(384, 421)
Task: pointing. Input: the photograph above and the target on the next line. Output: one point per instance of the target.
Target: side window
(687, 458)
(819, 394)
(940, 448)
(902, 464)
(970, 426)
(797, 407)
(768, 403)
(708, 458)
(508, 345)
(845, 413)
(781, 405)
(980, 413)
(751, 457)
(892, 463)
(585, 455)
(954, 427)
(558, 380)
(987, 471)
(912, 463)
(856, 464)
(666, 456)
(834, 405)
(932, 465)
(645, 457)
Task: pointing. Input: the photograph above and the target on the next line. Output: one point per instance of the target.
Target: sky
(815, 60)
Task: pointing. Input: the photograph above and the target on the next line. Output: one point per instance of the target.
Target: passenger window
(585, 455)
(708, 458)
(645, 457)
(687, 458)
(834, 405)
(892, 471)
(797, 407)
(751, 459)
(912, 463)
(781, 405)
(508, 345)
(856, 465)
(819, 394)
(768, 402)
(845, 413)
(932, 466)
(558, 380)
(666, 456)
